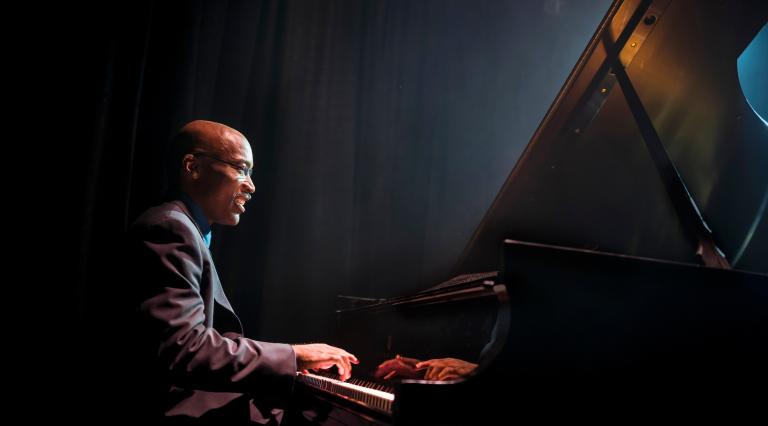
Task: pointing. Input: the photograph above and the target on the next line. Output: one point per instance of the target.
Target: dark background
(381, 132)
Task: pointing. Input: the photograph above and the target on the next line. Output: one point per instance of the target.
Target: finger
(390, 375)
(349, 357)
(436, 371)
(348, 362)
(447, 372)
(346, 359)
(345, 368)
(379, 373)
(431, 373)
(345, 353)
(428, 374)
(412, 361)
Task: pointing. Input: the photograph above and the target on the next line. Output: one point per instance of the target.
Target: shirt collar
(198, 216)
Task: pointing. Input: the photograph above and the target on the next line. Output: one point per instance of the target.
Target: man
(192, 363)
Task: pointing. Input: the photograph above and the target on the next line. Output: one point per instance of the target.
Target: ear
(189, 165)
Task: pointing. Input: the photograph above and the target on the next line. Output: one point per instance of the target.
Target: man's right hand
(321, 356)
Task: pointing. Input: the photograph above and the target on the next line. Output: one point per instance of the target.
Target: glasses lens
(242, 172)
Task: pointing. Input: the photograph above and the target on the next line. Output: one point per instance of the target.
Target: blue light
(752, 67)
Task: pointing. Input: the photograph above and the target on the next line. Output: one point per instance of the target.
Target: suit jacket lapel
(218, 290)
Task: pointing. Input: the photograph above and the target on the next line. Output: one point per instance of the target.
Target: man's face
(222, 188)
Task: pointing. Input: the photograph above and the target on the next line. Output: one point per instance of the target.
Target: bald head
(208, 135)
(200, 135)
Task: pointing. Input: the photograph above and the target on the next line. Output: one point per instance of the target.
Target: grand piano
(621, 270)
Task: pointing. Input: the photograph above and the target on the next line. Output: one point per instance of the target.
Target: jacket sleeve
(169, 264)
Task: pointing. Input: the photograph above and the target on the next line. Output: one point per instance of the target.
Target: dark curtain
(381, 130)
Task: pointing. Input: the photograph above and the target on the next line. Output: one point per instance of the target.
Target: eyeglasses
(242, 171)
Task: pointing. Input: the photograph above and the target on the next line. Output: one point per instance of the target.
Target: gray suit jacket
(192, 360)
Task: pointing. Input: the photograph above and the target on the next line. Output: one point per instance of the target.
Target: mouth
(241, 199)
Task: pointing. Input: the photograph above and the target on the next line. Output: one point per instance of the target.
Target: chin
(230, 220)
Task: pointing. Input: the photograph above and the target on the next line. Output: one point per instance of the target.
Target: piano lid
(588, 178)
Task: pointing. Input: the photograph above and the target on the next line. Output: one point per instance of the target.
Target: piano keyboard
(373, 396)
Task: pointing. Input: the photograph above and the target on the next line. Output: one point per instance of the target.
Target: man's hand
(445, 368)
(321, 356)
(398, 367)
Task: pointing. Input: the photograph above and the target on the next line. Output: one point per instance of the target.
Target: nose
(249, 186)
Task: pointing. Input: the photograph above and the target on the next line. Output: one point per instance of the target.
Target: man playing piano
(192, 365)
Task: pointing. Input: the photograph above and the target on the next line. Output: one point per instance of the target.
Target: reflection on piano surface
(603, 303)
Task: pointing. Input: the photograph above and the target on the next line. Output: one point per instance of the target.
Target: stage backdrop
(382, 131)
